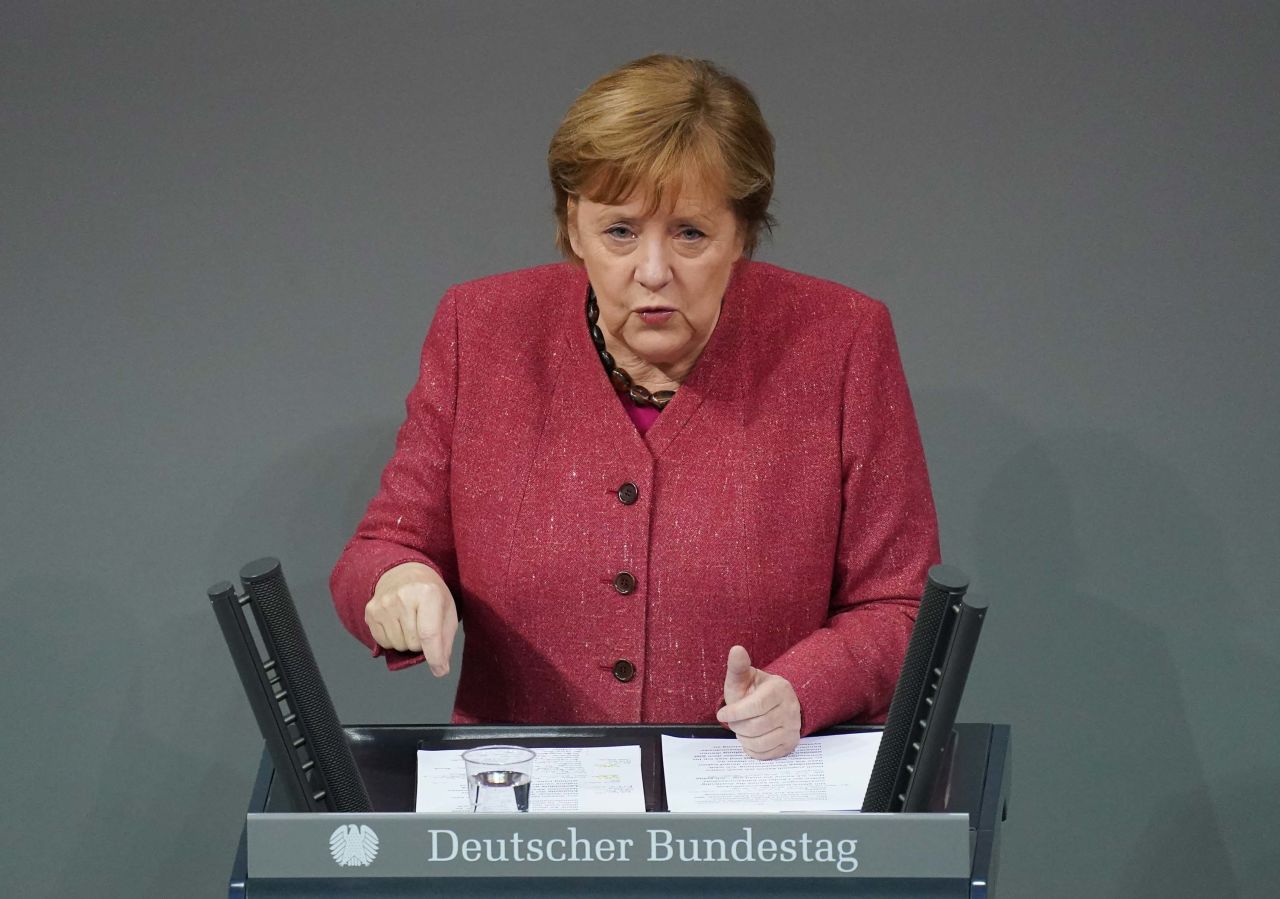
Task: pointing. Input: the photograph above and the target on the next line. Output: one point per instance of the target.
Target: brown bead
(620, 379)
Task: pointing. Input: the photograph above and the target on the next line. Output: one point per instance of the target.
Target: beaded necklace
(620, 379)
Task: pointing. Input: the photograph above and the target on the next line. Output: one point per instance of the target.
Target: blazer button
(624, 582)
(624, 670)
(628, 493)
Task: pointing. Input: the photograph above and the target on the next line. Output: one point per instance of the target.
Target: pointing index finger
(430, 627)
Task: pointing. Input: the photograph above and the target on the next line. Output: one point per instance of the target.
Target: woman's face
(658, 278)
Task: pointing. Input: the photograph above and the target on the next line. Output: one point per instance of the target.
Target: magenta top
(642, 416)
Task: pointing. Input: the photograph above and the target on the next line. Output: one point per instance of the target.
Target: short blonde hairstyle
(655, 122)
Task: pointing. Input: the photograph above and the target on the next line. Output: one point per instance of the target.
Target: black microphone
(918, 727)
(295, 713)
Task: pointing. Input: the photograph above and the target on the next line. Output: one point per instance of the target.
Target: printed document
(828, 773)
(565, 779)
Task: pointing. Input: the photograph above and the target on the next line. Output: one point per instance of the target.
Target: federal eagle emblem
(353, 844)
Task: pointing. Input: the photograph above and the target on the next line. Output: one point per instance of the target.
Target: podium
(951, 851)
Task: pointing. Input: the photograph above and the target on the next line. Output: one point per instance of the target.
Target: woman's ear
(571, 225)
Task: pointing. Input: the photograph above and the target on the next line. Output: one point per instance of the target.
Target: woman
(645, 471)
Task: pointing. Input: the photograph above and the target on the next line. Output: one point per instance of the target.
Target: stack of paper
(823, 774)
(828, 773)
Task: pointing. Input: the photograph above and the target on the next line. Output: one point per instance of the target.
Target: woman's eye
(690, 234)
(619, 231)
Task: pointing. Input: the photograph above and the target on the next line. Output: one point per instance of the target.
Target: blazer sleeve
(888, 539)
(409, 518)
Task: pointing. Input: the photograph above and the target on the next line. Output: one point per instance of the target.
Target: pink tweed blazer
(780, 501)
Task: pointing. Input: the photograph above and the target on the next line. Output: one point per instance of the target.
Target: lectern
(950, 851)
(332, 809)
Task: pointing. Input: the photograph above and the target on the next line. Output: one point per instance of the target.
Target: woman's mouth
(655, 315)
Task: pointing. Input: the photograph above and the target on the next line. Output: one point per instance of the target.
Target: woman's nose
(653, 267)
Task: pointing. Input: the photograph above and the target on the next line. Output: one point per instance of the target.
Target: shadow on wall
(123, 743)
(1096, 558)
(302, 508)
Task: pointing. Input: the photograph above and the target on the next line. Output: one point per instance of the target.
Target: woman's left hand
(761, 708)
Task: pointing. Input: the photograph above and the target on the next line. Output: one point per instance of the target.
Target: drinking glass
(499, 778)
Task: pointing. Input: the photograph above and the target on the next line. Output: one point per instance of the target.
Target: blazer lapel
(590, 404)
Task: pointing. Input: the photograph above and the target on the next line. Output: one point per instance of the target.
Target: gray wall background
(225, 230)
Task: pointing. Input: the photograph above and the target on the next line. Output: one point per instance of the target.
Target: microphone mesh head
(944, 584)
(308, 696)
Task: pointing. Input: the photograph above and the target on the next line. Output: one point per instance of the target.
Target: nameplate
(910, 846)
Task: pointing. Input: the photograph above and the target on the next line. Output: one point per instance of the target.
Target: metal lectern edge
(995, 796)
(237, 885)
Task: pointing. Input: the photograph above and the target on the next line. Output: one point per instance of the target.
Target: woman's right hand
(412, 610)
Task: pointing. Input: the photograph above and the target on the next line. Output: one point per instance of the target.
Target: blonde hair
(652, 124)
